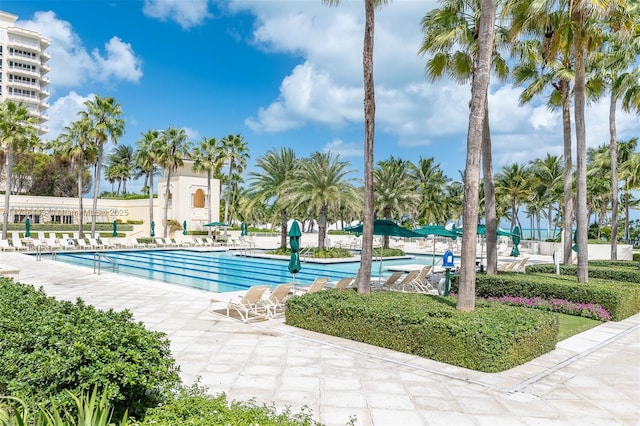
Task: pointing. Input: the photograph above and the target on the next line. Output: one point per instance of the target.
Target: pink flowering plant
(587, 310)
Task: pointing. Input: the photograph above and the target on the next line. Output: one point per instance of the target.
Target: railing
(97, 263)
(304, 252)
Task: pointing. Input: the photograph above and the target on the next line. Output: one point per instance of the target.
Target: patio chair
(95, 244)
(160, 242)
(82, 244)
(249, 304)
(521, 265)
(406, 283)
(5, 246)
(275, 303)
(390, 282)
(421, 283)
(317, 285)
(19, 245)
(344, 283)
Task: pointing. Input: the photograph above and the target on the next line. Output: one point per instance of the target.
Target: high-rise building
(23, 67)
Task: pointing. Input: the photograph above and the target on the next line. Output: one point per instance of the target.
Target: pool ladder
(97, 263)
(304, 252)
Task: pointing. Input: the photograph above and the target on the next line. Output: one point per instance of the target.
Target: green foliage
(636, 257)
(492, 338)
(388, 252)
(620, 299)
(193, 406)
(620, 270)
(48, 347)
(326, 253)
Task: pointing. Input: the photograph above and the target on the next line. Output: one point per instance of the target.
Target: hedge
(620, 299)
(620, 270)
(492, 338)
(48, 347)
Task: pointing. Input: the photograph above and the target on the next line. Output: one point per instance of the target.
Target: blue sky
(281, 73)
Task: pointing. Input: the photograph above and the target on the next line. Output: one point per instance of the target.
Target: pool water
(221, 271)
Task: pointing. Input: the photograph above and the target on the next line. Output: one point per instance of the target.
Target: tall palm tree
(431, 182)
(147, 155)
(513, 183)
(477, 117)
(548, 183)
(18, 131)
(630, 174)
(120, 164)
(277, 168)
(322, 183)
(395, 190)
(105, 123)
(74, 143)
(174, 149)
(236, 153)
(451, 34)
(363, 278)
(208, 157)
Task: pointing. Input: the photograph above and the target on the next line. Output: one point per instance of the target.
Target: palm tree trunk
(283, 228)
(489, 196)
(227, 200)
(80, 203)
(166, 204)
(322, 226)
(568, 174)
(364, 273)
(7, 192)
(96, 188)
(467, 289)
(613, 148)
(150, 199)
(581, 147)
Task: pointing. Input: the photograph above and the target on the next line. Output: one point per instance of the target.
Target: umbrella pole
(433, 256)
(380, 267)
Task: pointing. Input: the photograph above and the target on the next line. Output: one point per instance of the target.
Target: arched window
(198, 199)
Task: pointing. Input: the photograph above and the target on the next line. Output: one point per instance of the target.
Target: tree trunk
(283, 228)
(489, 196)
(80, 203)
(150, 199)
(7, 192)
(322, 226)
(581, 148)
(613, 148)
(166, 204)
(364, 274)
(568, 174)
(96, 188)
(467, 290)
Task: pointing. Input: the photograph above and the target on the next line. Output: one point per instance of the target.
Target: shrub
(620, 270)
(492, 338)
(587, 310)
(48, 347)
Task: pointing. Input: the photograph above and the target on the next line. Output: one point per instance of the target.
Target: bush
(48, 347)
(620, 299)
(492, 338)
(620, 270)
(326, 253)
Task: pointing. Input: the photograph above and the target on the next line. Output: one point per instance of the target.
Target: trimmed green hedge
(48, 347)
(620, 270)
(492, 338)
(620, 299)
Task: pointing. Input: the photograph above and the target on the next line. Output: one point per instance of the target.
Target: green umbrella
(27, 228)
(243, 229)
(575, 241)
(215, 224)
(438, 230)
(115, 228)
(184, 228)
(153, 229)
(515, 238)
(294, 243)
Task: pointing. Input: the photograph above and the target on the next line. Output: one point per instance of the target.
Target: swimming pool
(220, 271)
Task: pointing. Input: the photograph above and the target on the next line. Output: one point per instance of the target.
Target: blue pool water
(221, 271)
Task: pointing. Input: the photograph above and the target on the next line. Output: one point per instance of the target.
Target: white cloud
(352, 149)
(64, 111)
(72, 66)
(187, 13)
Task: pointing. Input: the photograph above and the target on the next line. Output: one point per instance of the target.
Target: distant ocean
(526, 234)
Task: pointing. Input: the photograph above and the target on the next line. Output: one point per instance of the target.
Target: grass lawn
(571, 324)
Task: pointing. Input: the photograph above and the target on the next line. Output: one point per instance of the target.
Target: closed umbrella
(27, 228)
(515, 238)
(243, 229)
(153, 229)
(294, 243)
(184, 228)
(115, 228)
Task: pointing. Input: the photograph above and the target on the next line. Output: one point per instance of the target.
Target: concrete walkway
(590, 379)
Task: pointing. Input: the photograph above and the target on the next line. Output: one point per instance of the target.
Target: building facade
(23, 68)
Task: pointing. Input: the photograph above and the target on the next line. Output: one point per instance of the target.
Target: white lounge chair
(5, 246)
(317, 285)
(405, 284)
(19, 245)
(275, 302)
(343, 283)
(249, 304)
(390, 282)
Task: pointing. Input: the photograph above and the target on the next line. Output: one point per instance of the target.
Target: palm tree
(208, 157)
(431, 182)
(277, 168)
(363, 278)
(235, 151)
(548, 183)
(120, 165)
(18, 131)
(105, 123)
(513, 183)
(174, 149)
(321, 183)
(147, 154)
(477, 117)
(395, 190)
(451, 33)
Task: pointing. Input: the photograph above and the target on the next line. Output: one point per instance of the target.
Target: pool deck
(589, 379)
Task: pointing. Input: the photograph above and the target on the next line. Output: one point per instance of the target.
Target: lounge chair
(344, 283)
(95, 244)
(276, 300)
(250, 303)
(391, 281)
(521, 265)
(317, 285)
(160, 242)
(405, 284)
(5, 246)
(19, 245)
(421, 283)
